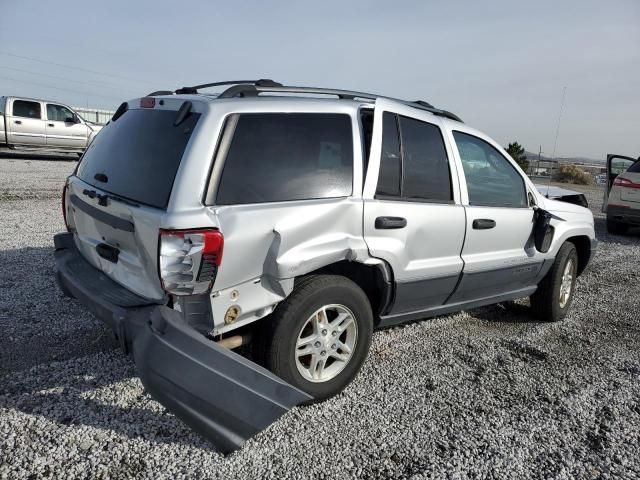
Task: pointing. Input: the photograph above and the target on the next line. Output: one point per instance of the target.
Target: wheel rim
(567, 284)
(326, 342)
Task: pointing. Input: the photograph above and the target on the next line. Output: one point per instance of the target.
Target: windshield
(137, 156)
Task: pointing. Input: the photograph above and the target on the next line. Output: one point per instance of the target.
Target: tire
(546, 302)
(294, 319)
(616, 228)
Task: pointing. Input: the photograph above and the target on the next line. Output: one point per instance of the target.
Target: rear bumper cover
(221, 395)
(630, 216)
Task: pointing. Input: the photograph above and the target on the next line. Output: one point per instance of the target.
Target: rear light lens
(625, 182)
(147, 102)
(189, 260)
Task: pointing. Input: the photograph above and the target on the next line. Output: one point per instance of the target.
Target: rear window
(635, 168)
(276, 157)
(140, 154)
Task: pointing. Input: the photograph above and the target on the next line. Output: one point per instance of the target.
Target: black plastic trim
(388, 320)
(423, 294)
(111, 220)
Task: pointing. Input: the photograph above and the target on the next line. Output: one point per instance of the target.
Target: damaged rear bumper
(221, 395)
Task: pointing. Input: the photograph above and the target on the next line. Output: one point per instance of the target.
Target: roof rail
(254, 89)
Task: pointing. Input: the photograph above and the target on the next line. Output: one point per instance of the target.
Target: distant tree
(517, 153)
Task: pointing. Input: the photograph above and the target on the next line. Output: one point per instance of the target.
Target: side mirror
(73, 119)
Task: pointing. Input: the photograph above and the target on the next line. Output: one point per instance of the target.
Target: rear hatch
(630, 184)
(117, 199)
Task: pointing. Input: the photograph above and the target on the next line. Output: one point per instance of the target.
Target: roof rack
(253, 88)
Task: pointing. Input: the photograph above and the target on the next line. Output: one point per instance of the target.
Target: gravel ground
(489, 393)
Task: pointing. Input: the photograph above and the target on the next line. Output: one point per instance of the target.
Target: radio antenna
(555, 143)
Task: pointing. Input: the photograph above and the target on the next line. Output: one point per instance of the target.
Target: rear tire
(616, 228)
(328, 316)
(555, 292)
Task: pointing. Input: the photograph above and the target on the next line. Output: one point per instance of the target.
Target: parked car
(622, 193)
(41, 125)
(297, 224)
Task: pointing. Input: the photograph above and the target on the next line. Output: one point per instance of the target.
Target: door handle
(19, 122)
(483, 223)
(389, 223)
(50, 124)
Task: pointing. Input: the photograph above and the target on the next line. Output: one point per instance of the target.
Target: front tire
(555, 292)
(318, 338)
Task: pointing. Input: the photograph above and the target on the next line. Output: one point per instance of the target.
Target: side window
(426, 166)
(23, 108)
(390, 162)
(58, 113)
(275, 157)
(491, 179)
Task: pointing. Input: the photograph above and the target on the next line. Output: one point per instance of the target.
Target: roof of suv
(254, 88)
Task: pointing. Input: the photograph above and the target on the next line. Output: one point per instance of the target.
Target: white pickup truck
(30, 124)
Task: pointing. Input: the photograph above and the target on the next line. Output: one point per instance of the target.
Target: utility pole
(539, 154)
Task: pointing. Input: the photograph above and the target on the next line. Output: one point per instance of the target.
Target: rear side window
(491, 179)
(139, 154)
(413, 161)
(275, 157)
(23, 108)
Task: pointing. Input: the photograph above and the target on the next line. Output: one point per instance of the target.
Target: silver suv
(295, 221)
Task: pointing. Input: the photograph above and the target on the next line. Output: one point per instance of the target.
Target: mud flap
(219, 394)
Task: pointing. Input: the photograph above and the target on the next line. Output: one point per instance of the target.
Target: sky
(500, 65)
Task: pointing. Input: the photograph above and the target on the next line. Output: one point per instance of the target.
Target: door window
(275, 157)
(426, 166)
(58, 113)
(413, 161)
(491, 179)
(24, 108)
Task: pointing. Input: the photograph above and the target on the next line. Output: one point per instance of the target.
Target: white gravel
(486, 394)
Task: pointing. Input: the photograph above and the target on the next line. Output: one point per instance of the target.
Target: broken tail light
(188, 260)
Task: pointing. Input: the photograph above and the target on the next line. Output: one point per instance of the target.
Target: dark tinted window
(491, 179)
(140, 154)
(390, 163)
(277, 157)
(22, 108)
(426, 166)
(58, 113)
(635, 168)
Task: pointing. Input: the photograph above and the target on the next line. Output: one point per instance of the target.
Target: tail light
(625, 182)
(188, 260)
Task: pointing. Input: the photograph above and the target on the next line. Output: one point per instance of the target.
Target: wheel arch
(374, 277)
(583, 248)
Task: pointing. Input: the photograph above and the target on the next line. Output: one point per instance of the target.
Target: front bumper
(221, 395)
